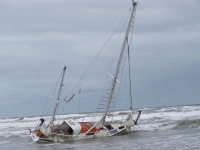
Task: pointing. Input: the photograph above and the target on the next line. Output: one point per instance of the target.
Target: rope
(115, 57)
(87, 80)
(98, 53)
(52, 91)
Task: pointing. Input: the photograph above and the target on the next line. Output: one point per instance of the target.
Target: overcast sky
(39, 37)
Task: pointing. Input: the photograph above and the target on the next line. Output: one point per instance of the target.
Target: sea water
(163, 128)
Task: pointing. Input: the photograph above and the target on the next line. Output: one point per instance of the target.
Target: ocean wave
(188, 123)
(21, 133)
(152, 119)
(170, 115)
(8, 120)
(22, 118)
(4, 142)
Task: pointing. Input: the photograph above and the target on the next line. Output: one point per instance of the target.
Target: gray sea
(163, 128)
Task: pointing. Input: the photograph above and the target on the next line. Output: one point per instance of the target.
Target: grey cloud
(37, 38)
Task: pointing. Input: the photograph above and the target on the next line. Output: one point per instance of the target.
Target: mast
(58, 97)
(129, 74)
(120, 59)
(116, 71)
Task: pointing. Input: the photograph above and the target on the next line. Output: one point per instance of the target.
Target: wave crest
(188, 123)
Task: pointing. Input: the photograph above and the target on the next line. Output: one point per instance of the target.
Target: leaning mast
(58, 97)
(120, 60)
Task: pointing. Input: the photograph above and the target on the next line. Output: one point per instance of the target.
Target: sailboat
(70, 130)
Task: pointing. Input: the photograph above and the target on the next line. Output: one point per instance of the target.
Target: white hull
(104, 132)
(72, 131)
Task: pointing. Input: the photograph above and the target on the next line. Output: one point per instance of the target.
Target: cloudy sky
(39, 37)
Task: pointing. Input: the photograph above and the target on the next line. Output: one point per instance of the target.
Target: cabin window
(70, 131)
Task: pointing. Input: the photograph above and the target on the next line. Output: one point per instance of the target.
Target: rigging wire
(129, 67)
(97, 55)
(130, 47)
(77, 105)
(114, 32)
(79, 98)
(122, 70)
(53, 92)
(115, 55)
(128, 53)
(87, 80)
(122, 28)
(93, 63)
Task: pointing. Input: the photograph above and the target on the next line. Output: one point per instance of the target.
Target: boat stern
(34, 136)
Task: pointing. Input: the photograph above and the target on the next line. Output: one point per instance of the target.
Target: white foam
(8, 120)
(4, 142)
(151, 119)
(172, 115)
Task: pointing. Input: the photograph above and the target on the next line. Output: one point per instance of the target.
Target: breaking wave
(188, 123)
(152, 119)
(22, 118)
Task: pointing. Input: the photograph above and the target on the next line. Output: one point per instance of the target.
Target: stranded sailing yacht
(70, 130)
